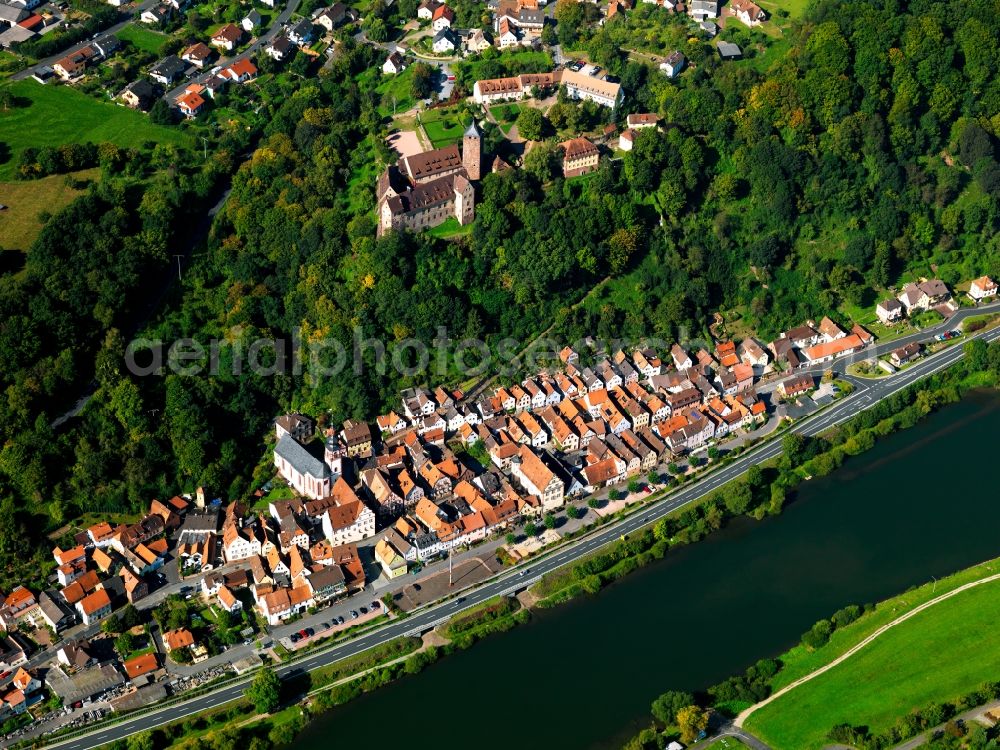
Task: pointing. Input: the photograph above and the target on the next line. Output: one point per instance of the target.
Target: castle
(424, 190)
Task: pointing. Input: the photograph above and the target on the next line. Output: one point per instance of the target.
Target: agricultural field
(53, 115)
(20, 222)
(937, 655)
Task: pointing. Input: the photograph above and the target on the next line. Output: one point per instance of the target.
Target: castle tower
(472, 151)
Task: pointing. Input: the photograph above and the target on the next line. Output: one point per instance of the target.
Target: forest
(864, 156)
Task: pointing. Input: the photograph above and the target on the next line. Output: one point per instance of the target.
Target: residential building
(905, 353)
(241, 71)
(673, 64)
(198, 54)
(228, 37)
(94, 607)
(139, 94)
(251, 21)
(167, 70)
(747, 12)
(580, 156)
(190, 103)
(279, 47)
(394, 64)
(442, 18)
(889, 311)
(444, 41)
(538, 479)
(392, 561)
(982, 288)
(702, 10)
(795, 386)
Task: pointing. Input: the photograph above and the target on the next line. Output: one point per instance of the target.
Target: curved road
(865, 395)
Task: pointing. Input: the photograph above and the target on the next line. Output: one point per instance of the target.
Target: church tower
(472, 151)
(333, 455)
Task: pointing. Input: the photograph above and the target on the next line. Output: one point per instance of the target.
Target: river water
(583, 675)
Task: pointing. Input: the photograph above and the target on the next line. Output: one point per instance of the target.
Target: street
(866, 394)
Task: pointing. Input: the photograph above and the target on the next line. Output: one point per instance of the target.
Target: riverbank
(941, 631)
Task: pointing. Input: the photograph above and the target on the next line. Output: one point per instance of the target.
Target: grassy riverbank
(936, 657)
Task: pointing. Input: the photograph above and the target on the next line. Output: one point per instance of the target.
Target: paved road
(510, 581)
(968, 717)
(129, 12)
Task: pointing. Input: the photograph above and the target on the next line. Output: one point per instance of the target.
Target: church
(425, 190)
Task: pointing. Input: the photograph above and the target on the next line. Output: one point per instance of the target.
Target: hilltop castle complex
(425, 190)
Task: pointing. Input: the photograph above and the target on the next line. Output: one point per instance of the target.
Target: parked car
(364, 610)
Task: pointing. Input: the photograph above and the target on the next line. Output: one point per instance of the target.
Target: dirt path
(744, 715)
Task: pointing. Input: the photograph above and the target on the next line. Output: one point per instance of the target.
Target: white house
(394, 64)
(538, 479)
(983, 288)
(348, 522)
(889, 311)
(702, 10)
(580, 86)
(673, 64)
(444, 41)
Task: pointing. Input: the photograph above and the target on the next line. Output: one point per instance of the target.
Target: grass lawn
(59, 114)
(726, 743)
(506, 115)
(277, 492)
(939, 654)
(794, 8)
(396, 88)
(8, 63)
(443, 126)
(800, 661)
(147, 40)
(19, 224)
(450, 228)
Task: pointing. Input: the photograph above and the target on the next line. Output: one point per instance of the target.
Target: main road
(866, 394)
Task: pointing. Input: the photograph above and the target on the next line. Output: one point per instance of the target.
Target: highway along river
(583, 675)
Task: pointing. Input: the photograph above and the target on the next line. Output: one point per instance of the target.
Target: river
(583, 675)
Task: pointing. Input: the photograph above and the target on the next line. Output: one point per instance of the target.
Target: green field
(506, 115)
(444, 126)
(938, 655)
(726, 743)
(794, 8)
(25, 200)
(55, 115)
(396, 87)
(147, 40)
